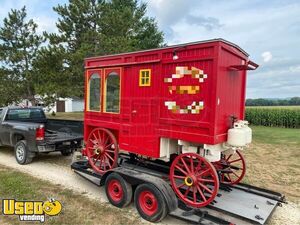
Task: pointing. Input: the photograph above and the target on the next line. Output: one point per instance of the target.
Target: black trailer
(238, 204)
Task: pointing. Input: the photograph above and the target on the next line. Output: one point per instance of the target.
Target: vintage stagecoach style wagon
(181, 105)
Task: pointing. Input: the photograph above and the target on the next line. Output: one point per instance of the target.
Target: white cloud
(295, 69)
(267, 56)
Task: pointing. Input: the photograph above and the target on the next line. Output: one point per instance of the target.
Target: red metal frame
(144, 117)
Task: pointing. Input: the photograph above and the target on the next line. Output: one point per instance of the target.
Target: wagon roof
(177, 46)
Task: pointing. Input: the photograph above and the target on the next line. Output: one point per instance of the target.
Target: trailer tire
(118, 190)
(150, 203)
(22, 154)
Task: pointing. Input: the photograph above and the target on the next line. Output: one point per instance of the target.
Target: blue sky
(268, 30)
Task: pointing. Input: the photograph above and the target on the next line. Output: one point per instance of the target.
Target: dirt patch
(274, 167)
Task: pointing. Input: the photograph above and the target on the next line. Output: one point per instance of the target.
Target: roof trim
(175, 46)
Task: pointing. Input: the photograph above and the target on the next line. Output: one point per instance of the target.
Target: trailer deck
(238, 204)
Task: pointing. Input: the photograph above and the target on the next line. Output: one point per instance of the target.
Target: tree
(124, 27)
(96, 27)
(19, 43)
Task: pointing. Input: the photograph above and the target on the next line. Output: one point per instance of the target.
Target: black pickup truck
(30, 132)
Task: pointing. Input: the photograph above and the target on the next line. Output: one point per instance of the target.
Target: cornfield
(288, 117)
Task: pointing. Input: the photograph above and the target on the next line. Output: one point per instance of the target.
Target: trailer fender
(135, 178)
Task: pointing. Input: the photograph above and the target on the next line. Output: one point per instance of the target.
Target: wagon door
(141, 110)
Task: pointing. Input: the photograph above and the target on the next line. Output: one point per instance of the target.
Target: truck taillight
(40, 133)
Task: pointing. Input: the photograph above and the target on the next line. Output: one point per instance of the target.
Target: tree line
(51, 65)
(273, 102)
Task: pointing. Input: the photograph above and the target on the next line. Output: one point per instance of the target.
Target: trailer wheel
(194, 179)
(150, 202)
(102, 150)
(118, 190)
(22, 154)
(232, 168)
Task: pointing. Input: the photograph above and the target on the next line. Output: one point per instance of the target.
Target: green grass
(77, 209)
(276, 135)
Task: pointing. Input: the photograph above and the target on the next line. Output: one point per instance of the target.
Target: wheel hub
(99, 150)
(20, 152)
(190, 180)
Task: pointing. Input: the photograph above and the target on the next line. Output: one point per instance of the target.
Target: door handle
(134, 112)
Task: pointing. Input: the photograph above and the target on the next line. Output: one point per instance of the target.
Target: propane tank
(237, 135)
(248, 131)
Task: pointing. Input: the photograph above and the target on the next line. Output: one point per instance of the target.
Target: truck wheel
(118, 190)
(22, 154)
(66, 152)
(150, 202)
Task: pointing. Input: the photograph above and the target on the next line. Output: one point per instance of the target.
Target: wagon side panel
(188, 94)
(231, 87)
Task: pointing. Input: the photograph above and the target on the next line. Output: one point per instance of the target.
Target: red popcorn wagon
(182, 106)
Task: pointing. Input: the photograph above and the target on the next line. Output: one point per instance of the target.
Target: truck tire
(150, 203)
(22, 154)
(118, 190)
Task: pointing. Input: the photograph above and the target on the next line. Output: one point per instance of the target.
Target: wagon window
(112, 97)
(145, 78)
(94, 92)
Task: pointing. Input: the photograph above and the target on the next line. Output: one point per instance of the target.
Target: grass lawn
(77, 209)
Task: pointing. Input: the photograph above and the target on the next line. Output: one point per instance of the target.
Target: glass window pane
(113, 93)
(94, 95)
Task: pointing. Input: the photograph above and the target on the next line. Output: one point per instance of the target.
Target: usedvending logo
(31, 210)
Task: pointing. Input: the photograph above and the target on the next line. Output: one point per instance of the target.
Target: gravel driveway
(56, 169)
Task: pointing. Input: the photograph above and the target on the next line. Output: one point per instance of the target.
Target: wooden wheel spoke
(229, 157)
(201, 193)
(102, 137)
(187, 191)
(95, 142)
(179, 177)
(108, 150)
(96, 138)
(105, 142)
(185, 166)
(111, 158)
(194, 194)
(110, 166)
(203, 172)
(181, 170)
(205, 188)
(233, 161)
(192, 164)
(235, 174)
(228, 177)
(206, 180)
(108, 145)
(180, 186)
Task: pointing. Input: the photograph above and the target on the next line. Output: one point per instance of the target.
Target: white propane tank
(248, 131)
(237, 135)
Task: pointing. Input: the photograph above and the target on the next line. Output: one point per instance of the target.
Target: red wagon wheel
(194, 179)
(232, 168)
(102, 150)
